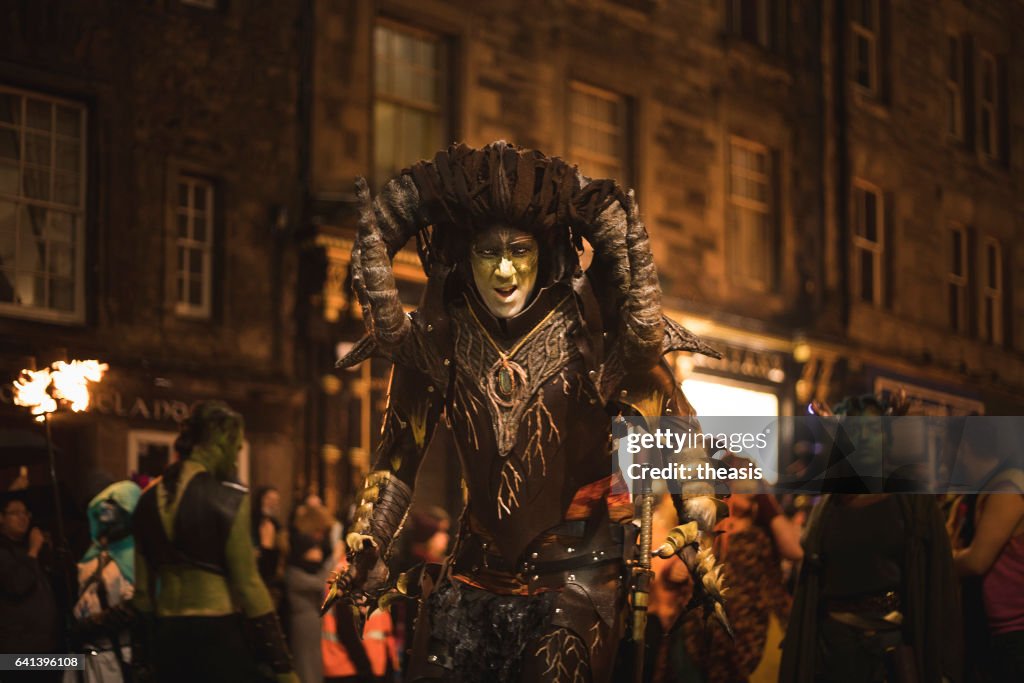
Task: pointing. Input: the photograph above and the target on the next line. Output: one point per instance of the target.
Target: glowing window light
(727, 400)
(716, 399)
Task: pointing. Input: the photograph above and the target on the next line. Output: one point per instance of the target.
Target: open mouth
(506, 292)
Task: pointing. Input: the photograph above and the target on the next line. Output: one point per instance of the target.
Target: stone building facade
(149, 178)
(928, 109)
(832, 190)
(808, 171)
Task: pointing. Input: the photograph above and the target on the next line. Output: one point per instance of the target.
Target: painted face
(226, 443)
(504, 264)
(236, 436)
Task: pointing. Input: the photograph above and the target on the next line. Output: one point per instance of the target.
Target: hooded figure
(106, 578)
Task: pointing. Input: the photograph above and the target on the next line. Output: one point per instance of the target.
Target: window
(194, 241)
(958, 278)
(954, 87)
(868, 243)
(750, 219)
(752, 20)
(42, 207)
(151, 451)
(988, 107)
(598, 132)
(866, 21)
(410, 101)
(991, 304)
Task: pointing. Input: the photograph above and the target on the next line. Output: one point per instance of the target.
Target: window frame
(138, 437)
(739, 260)
(988, 146)
(872, 35)
(860, 243)
(443, 109)
(586, 157)
(955, 122)
(185, 309)
(990, 315)
(765, 22)
(960, 282)
(79, 212)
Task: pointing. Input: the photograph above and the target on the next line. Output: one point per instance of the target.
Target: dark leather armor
(201, 526)
(522, 397)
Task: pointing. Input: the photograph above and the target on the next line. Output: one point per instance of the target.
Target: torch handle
(58, 509)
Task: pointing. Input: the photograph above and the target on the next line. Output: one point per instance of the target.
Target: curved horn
(645, 328)
(623, 252)
(385, 225)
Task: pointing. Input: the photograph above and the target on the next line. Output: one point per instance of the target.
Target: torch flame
(30, 391)
(69, 381)
(69, 384)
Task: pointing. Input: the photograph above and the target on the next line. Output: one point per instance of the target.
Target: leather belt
(874, 603)
(552, 555)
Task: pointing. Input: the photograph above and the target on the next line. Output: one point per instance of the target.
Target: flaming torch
(32, 391)
(43, 392)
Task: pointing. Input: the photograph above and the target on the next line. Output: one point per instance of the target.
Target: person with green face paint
(205, 614)
(528, 359)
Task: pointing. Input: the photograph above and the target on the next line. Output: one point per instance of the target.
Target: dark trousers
(849, 655)
(203, 650)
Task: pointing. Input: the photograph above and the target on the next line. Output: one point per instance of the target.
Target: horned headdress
(442, 203)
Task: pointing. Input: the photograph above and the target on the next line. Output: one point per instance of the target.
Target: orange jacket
(378, 643)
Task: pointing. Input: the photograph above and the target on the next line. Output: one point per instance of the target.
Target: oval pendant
(505, 381)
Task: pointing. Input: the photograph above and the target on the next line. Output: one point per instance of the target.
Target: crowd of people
(843, 587)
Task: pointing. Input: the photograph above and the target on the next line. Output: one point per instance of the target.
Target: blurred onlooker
(666, 657)
(28, 611)
(751, 543)
(428, 534)
(269, 540)
(106, 580)
(306, 572)
(347, 658)
(996, 553)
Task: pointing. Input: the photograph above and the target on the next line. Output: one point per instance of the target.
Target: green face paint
(504, 264)
(224, 438)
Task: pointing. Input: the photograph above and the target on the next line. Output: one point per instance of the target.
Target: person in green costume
(205, 614)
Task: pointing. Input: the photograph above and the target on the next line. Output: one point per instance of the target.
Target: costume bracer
(536, 585)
